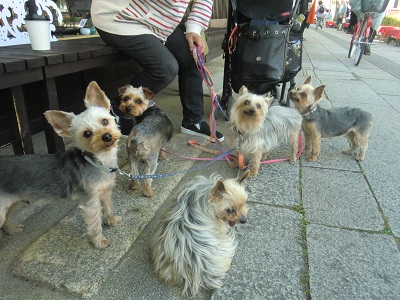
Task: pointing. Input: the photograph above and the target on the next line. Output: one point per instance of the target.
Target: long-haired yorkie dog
(81, 173)
(152, 130)
(256, 128)
(321, 123)
(193, 245)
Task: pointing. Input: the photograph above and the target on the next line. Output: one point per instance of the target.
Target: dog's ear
(268, 100)
(243, 90)
(308, 80)
(318, 93)
(148, 94)
(244, 176)
(96, 97)
(60, 121)
(122, 89)
(218, 190)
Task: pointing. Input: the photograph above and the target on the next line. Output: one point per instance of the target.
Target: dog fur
(152, 130)
(255, 128)
(321, 123)
(193, 245)
(68, 174)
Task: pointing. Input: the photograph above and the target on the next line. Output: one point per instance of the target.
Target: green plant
(391, 21)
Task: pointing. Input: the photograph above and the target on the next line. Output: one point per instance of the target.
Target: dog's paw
(348, 151)
(162, 155)
(292, 161)
(253, 172)
(312, 158)
(113, 221)
(101, 243)
(359, 157)
(233, 164)
(135, 186)
(149, 193)
(11, 229)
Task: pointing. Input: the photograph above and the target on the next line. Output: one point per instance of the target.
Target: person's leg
(190, 84)
(159, 67)
(367, 49)
(353, 21)
(189, 78)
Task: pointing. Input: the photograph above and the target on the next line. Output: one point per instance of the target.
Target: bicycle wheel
(360, 43)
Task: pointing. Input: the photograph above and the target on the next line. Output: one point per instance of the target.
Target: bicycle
(362, 28)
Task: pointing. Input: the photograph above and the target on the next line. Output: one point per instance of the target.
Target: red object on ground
(330, 24)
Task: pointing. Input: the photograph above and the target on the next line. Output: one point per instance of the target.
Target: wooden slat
(50, 57)
(13, 64)
(68, 68)
(19, 78)
(30, 60)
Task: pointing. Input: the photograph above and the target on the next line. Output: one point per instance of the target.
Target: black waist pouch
(260, 56)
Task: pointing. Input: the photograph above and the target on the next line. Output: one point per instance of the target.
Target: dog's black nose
(243, 219)
(107, 137)
(128, 109)
(290, 93)
(250, 111)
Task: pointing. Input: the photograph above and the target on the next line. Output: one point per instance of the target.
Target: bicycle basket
(377, 6)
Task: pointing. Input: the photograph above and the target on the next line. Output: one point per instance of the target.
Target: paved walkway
(324, 230)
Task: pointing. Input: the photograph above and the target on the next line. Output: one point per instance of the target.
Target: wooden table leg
(54, 142)
(20, 133)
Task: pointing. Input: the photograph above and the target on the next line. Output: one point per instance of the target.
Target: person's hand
(193, 38)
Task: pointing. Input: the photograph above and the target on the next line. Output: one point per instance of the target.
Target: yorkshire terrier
(83, 173)
(256, 128)
(129, 102)
(320, 123)
(152, 131)
(193, 245)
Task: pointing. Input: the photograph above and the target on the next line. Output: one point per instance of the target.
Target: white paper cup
(39, 34)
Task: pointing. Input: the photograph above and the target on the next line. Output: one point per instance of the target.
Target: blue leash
(131, 177)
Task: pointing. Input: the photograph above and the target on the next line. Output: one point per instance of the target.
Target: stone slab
(382, 171)
(340, 198)
(353, 265)
(268, 263)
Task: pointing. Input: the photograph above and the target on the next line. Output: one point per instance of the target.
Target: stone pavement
(323, 230)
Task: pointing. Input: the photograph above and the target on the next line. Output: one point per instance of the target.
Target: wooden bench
(20, 65)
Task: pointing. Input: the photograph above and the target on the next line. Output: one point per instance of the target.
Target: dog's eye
(303, 94)
(138, 101)
(230, 211)
(104, 122)
(258, 105)
(87, 134)
(247, 102)
(126, 98)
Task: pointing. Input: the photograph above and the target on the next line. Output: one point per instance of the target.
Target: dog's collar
(91, 159)
(152, 106)
(311, 111)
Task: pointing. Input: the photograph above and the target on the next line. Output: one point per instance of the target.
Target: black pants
(160, 64)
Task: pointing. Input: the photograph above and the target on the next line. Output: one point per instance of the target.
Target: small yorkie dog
(193, 245)
(152, 130)
(81, 173)
(320, 123)
(256, 128)
(129, 102)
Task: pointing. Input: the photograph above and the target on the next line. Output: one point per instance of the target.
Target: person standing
(320, 14)
(341, 15)
(151, 33)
